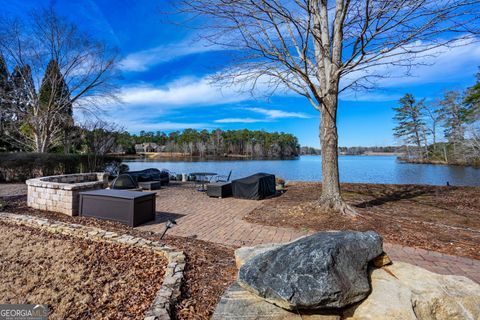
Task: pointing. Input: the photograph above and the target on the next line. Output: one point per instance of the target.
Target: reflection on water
(369, 169)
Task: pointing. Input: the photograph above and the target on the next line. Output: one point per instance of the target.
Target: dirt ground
(210, 268)
(444, 219)
(78, 279)
(12, 189)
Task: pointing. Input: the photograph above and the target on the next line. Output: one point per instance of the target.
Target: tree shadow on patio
(162, 217)
(404, 193)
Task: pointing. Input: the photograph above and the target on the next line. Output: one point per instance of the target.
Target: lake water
(368, 169)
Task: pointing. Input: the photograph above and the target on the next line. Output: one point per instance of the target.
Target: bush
(21, 166)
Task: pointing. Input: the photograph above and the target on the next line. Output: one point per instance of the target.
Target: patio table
(202, 179)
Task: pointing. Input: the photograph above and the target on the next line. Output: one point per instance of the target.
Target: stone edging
(168, 293)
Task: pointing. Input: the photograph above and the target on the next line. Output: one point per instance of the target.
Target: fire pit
(61, 193)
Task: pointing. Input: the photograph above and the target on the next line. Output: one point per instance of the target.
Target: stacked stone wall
(62, 193)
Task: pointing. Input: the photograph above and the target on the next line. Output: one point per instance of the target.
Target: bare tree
(472, 144)
(99, 139)
(319, 48)
(433, 116)
(60, 68)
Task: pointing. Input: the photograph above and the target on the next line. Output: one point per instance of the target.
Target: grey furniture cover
(151, 174)
(219, 189)
(255, 187)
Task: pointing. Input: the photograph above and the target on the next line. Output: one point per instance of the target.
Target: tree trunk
(331, 198)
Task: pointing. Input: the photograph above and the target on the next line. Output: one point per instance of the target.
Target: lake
(367, 169)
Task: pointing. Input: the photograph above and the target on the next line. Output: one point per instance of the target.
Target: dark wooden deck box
(219, 189)
(129, 207)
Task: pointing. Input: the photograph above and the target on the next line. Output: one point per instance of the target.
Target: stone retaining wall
(168, 293)
(61, 193)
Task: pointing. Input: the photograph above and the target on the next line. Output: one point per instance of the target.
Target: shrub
(21, 166)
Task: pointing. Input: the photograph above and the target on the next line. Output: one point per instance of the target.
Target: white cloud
(181, 92)
(142, 60)
(436, 65)
(442, 65)
(136, 125)
(239, 120)
(277, 114)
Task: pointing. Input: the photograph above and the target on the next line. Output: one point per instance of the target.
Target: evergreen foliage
(5, 90)
(472, 99)
(408, 115)
(54, 90)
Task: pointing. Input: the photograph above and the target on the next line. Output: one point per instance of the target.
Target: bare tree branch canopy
(57, 67)
(318, 48)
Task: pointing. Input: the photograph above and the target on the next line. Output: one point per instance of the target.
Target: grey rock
(322, 271)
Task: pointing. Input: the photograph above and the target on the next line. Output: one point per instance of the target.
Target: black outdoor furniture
(125, 182)
(132, 208)
(219, 189)
(221, 178)
(151, 174)
(255, 187)
(150, 185)
(202, 178)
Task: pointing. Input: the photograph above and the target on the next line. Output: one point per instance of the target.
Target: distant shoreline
(186, 156)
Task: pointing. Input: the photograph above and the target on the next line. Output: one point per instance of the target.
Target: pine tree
(472, 100)
(454, 114)
(410, 124)
(54, 92)
(4, 80)
(5, 90)
(54, 98)
(22, 88)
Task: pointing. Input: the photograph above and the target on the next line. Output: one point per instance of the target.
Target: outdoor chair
(223, 178)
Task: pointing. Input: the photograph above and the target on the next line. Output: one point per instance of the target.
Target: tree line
(217, 143)
(443, 130)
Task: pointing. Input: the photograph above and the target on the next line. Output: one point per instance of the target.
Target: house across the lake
(149, 147)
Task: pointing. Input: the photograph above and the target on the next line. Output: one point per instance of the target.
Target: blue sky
(165, 85)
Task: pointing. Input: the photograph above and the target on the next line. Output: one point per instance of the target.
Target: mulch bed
(209, 271)
(444, 219)
(77, 278)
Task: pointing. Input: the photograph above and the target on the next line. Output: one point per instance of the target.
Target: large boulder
(402, 291)
(322, 271)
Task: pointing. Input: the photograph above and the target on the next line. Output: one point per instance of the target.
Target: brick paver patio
(220, 221)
